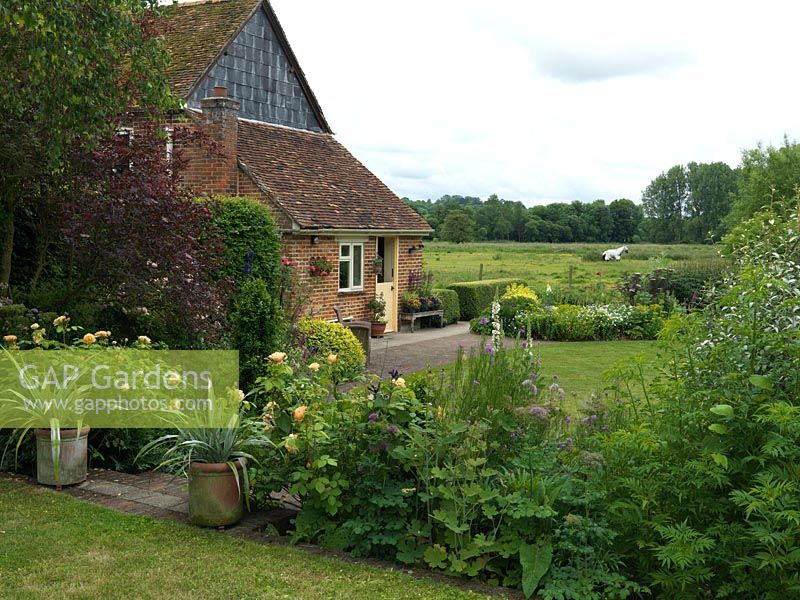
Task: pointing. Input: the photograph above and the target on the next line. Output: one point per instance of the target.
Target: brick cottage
(243, 86)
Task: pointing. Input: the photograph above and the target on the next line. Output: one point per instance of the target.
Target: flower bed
(520, 314)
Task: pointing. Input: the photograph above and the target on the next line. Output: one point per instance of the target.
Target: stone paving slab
(412, 357)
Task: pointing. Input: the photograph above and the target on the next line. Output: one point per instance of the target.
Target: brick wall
(323, 292)
(407, 262)
(214, 171)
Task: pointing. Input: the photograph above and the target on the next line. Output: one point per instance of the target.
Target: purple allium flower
(523, 344)
(392, 429)
(373, 417)
(568, 420)
(489, 350)
(484, 321)
(563, 447)
(569, 441)
(534, 376)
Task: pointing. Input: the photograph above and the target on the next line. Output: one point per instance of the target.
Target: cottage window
(351, 267)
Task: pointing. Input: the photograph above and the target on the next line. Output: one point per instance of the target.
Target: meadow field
(543, 264)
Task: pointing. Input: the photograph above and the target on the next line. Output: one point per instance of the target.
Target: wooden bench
(411, 317)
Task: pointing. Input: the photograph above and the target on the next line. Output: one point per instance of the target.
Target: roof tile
(196, 32)
(318, 183)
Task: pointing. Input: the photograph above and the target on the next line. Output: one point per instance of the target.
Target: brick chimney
(218, 173)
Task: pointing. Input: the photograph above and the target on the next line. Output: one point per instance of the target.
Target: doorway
(386, 278)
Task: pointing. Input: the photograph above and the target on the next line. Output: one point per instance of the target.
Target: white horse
(615, 254)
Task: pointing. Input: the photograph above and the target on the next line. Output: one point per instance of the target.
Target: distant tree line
(693, 203)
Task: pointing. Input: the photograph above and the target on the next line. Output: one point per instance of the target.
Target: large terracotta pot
(214, 498)
(72, 459)
(378, 329)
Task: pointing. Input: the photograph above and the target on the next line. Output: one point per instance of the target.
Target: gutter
(416, 232)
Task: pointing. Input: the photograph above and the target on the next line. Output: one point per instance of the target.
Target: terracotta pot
(72, 457)
(378, 329)
(214, 498)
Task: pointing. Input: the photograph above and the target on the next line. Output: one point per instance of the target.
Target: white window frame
(349, 259)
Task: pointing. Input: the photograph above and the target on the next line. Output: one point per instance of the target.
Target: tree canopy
(70, 67)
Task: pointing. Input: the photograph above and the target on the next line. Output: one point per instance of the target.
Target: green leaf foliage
(535, 560)
(450, 305)
(475, 296)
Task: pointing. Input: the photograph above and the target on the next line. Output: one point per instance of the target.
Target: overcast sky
(547, 101)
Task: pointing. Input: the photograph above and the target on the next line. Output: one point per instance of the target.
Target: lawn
(54, 546)
(542, 264)
(581, 366)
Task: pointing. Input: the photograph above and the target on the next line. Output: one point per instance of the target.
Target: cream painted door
(386, 284)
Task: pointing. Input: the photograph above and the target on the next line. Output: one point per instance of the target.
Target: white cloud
(535, 101)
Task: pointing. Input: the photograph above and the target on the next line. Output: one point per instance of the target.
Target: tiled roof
(196, 32)
(318, 183)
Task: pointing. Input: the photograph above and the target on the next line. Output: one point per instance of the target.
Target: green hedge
(250, 237)
(475, 296)
(450, 305)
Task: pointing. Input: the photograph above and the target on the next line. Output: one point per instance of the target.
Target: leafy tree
(458, 226)
(711, 187)
(626, 218)
(599, 224)
(663, 202)
(139, 245)
(766, 174)
(69, 68)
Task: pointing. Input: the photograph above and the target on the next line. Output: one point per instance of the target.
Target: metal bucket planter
(215, 500)
(71, 465)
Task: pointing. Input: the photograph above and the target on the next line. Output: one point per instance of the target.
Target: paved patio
(163, 496)
(411, 352)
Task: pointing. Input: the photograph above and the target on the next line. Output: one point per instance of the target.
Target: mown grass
(586, 368)
(543, 264)
(583, 368)
(53, 546)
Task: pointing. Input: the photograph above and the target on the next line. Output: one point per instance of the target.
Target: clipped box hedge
(475, 296)
(450, 305)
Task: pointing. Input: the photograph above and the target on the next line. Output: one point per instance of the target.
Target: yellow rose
(277, 357)
(399, 382)
(35, 326)
(332, 358)
(313, 367)
(299, 413)
(10, 338)
(89, 339)
(102, 334)
(62, 320)
(144, 340)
